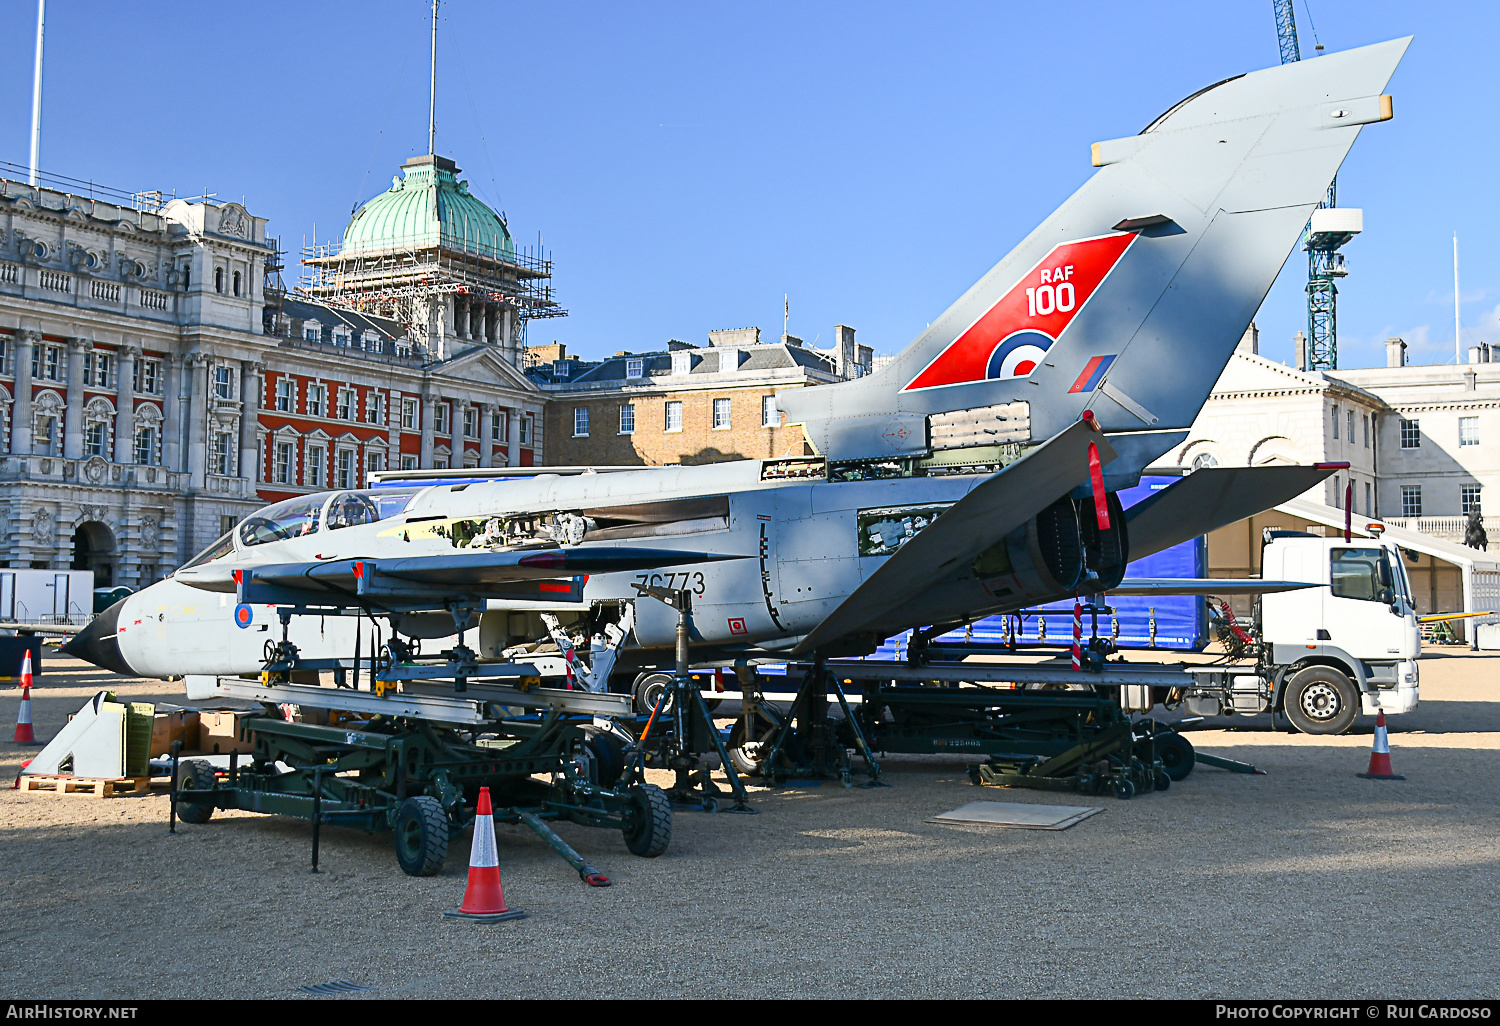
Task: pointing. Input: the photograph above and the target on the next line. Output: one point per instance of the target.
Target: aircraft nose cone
(99, 643)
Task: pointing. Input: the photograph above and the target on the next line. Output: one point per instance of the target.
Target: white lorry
(1324, 654)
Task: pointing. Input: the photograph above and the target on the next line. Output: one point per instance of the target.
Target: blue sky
(687, 164)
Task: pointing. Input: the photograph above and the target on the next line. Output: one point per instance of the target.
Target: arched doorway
(94, 549)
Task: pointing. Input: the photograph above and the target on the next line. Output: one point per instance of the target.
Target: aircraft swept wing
(402, 580)
(1204, 586)
(1215, 497)
(999, 505)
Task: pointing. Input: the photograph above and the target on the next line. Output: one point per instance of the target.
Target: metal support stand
(317, 813)
(691, 720)
(820, 751)
(172, 793)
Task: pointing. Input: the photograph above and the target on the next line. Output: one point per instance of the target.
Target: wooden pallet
(90, 786)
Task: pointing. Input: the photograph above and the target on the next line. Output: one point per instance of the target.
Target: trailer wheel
(421, 836)
(195, 775)
(1176, 755)
(1124, 790)
(648, 821)
(1321, 700)
(608, 753)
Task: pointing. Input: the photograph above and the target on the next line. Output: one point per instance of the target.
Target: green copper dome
(428, 208)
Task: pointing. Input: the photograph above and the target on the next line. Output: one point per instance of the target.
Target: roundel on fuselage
(1018, 355)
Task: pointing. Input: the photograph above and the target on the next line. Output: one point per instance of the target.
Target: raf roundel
(243, 616)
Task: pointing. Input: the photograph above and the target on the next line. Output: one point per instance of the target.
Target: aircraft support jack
(681, 745)
(820, 751)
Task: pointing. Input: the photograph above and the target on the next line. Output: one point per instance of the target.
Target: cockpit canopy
(308, 514)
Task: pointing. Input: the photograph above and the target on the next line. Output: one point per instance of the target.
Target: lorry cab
(1359, 624)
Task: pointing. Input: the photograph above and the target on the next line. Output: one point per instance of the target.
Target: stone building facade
(154, 390)
(686, 404)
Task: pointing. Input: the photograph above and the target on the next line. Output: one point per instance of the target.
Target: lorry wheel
(1176, 755)
(1321, 700)
(648, 821)
(195, 775)
(421, 836)
(648, 688)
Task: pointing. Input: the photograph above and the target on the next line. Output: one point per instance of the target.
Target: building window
(682, 363)
(443, 413)
(1469, 496)
(341, 334)
(1411, 434)
(54, 363)
(635, 367)
(348, 404)
(627, 419)
(312, 331)
(315, 397)
(286, 395)
(1411, 500)
(471, 422)
(222, 456)
(375, 407)
(221, 383)
(497, 427)
(440, 463)
(371, 342)
(721, 414)
(281, 473)
(1338, 493)
(1368, 511)
(1468, 431)
(1206, 459)
(96, 369)
(93, 440)
(46, 436)
(315, 474)
(145, 446)
(374, 462)
(1364, 421)
(218, 279)
(561, 368)
(236, 283)
(409, 414)
(1350, 423)
(1335, 423)
(674, 416)
(525, 427)
(147, 376)
(408, 463)
(344, 475)
(580, 422)
(770, 416)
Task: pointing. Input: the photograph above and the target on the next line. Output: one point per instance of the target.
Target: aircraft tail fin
(1129, 299)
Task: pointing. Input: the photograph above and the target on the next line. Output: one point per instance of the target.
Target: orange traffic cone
(484, 899)
(1380, 755)
(24, 734)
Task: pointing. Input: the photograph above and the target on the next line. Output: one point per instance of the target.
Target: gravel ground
(1308, 882)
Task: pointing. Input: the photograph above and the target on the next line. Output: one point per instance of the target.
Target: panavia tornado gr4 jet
(974, 474)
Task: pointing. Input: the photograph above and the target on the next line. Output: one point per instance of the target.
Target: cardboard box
(174, 725)
(219, 731)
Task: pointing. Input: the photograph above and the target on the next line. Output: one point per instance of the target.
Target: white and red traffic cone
(24, 733)
(484, 899)
(1380, 755)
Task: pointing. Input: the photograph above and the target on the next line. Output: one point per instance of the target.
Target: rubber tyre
(1321, 700)
(1124, 790)
(195, 775)
(744, 765)
(608, 752)
(648, 821)
(421, 831)
(646, 689)
(1161, 779)
(1176, 755)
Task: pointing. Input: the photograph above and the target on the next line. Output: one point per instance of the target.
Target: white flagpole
(36, 94)
(1457, 349)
